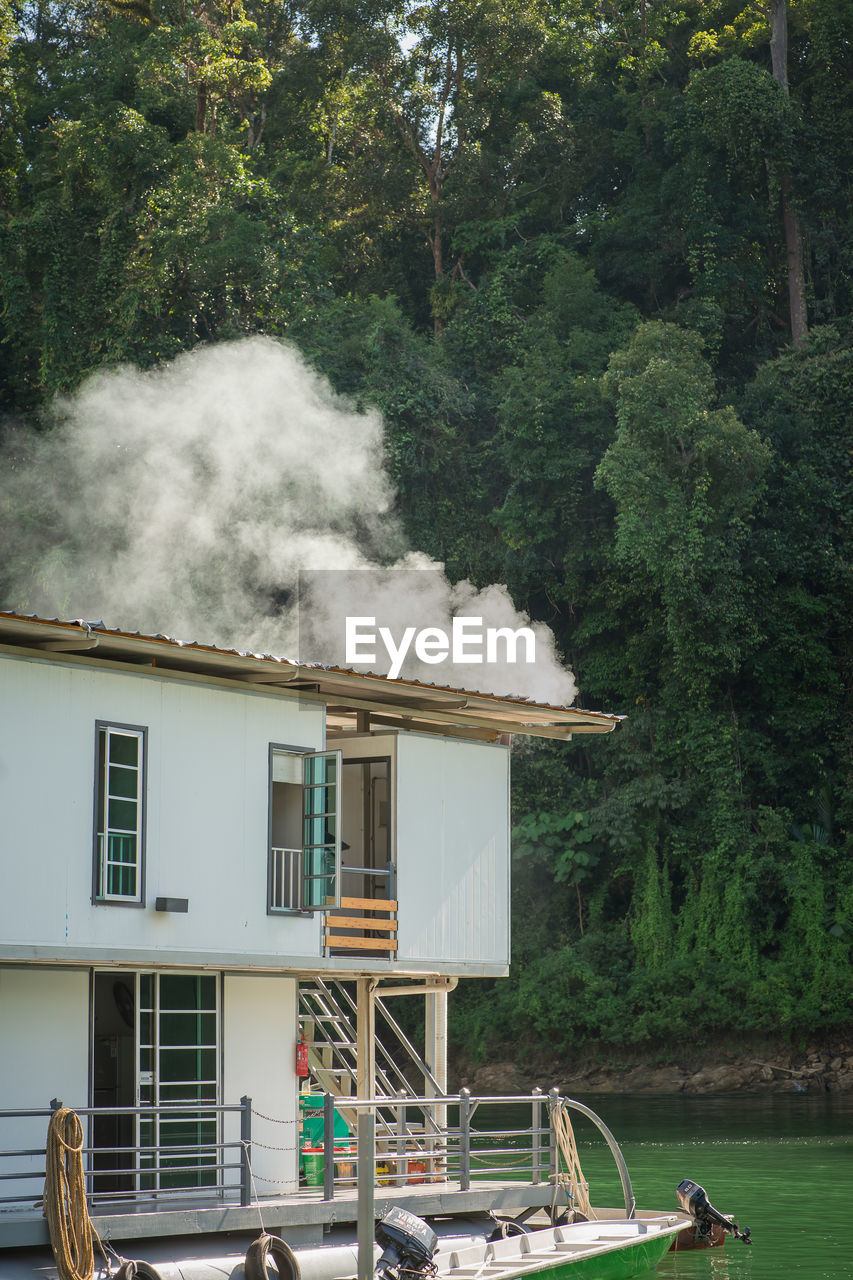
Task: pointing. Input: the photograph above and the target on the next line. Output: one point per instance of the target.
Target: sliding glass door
(178, 1042)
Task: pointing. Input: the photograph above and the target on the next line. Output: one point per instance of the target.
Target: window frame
(140, 732)
(303, 754)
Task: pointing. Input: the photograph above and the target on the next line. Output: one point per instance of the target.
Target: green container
(314, 1162)
(312, 1125)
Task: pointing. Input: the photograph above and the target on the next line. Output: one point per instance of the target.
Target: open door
(155, 1044)
(113, 1080)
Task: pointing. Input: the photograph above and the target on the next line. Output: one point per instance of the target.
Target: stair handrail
(347, 1029)
(385, 1080)
(338, 1014)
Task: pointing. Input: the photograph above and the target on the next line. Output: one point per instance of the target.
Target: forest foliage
(563, 246)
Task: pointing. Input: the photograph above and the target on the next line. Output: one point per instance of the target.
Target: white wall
(259, 1037)
(206, 820)
(452, 850)
(44, 1054)
(207, 799)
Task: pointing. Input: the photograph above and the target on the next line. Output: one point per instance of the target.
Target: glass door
(178, 1039)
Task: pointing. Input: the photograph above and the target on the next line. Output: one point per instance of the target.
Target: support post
(366, 1038)
(536, 1126)
(366, 1174)
(553, 1099)
(464, 1139)
(328, 1146)
(435, 1052)
(402, 1163)
(245, 1151)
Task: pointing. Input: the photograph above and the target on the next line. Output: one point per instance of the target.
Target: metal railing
(285, 879)
(405, 1144)
(411, 1146)
(333, 1012)
(137, 1170)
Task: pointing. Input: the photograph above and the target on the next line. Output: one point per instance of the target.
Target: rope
(68, 1221)
(572, 1180)
(247, 1153)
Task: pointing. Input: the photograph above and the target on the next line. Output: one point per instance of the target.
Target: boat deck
(302, 1217)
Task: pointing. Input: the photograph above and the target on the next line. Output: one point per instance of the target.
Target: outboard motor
(408, 1245)
(694, 1201)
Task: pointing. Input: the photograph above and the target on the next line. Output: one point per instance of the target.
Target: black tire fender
(135, 1270)
(267, 1246)
(506, 1227)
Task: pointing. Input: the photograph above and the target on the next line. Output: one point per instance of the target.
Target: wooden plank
(368, 904)
(361, 922)
(361, 944)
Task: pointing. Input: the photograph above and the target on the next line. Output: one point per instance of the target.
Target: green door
(178, 1037)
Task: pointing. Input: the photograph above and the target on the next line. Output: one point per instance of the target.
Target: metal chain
(482, 1160)
(272, 1119)
(274, 1182)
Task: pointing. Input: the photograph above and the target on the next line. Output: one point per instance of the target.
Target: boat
(607, 1248)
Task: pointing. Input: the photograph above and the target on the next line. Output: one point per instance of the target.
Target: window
(119, 816)
(304, 830)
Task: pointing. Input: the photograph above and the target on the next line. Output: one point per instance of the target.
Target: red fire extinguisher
(301, 1057)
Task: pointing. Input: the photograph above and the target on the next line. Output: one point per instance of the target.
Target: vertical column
(464, 1139)
(245, 1151)
(435, 1052)
(366, 1039)
(366, 1190)
(328, 1146)
(436, 1039)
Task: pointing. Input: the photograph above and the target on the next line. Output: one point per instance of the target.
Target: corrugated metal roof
(408, 699)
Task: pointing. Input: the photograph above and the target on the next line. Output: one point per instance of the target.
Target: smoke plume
(188, 500)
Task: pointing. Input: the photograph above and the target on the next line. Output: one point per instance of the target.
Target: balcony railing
(432, 1140)
(141, 1170)
(408, 1141)
(373, 929)
(285, 879)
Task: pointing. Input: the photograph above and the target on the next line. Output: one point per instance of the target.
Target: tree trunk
(796, 270)
(793, 235)
(437, 246)
(201, 108)
(779, 41)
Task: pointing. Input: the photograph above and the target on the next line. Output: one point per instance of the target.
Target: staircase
(327, 1015)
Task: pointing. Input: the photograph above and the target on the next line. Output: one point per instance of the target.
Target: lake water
(780, 1164)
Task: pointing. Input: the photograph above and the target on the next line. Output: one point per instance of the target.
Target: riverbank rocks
(499, 1077)
(816, 1068)
(654, 1080)
(728, 1078)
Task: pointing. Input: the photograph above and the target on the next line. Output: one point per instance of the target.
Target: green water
(781, 1165)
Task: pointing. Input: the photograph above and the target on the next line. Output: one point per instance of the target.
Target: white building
(187, 835)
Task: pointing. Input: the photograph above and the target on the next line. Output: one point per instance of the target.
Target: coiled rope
(572, 1180)
(71, 1231)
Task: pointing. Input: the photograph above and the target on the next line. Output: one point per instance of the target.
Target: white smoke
(188, 499)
